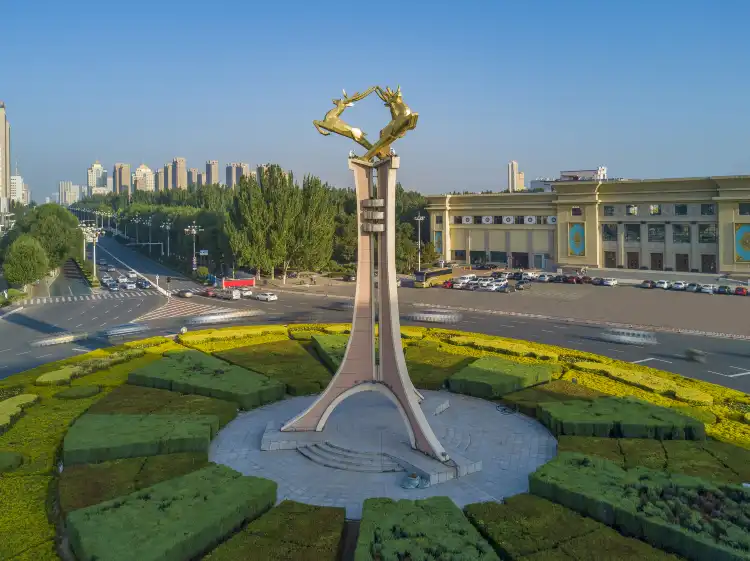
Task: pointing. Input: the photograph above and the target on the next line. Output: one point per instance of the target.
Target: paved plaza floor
(510, 447)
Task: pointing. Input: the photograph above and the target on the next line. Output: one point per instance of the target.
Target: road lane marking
(24, 353)
(77, 326)
(649, 359)
(4, 351)
(42, 356)
(118, 317)
(80, 350)
(102, 325)
(92, 319)
(71, 290)
(616, 350)
(68, 319)
(503, 325)
(547, 331)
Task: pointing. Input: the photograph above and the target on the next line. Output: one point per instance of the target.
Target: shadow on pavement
(41, 327)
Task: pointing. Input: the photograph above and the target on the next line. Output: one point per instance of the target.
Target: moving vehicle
(228, 294)
(609, 282)
(431, 277)
(143, 283)
(695, 355)
(246, 293)
(628, 337)
(113, 287)
(103, 262)
(663, 284)
(129, 286)
(679, 285)
(132, 275)
(267, 297)
(122, 278)
(434, 316)
(185, 293)
(127, 329)
(111, 269)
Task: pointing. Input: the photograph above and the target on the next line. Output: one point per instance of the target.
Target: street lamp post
(90, 234)
(137, 221)
(193, 230)
(148, 222)
(166, 225)
(419, 218)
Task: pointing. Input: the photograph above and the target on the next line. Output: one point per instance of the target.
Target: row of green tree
(274, 225)
(42, 239)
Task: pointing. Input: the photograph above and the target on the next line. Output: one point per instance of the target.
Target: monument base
(383, 449)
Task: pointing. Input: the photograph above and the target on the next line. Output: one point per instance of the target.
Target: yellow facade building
(690, 224)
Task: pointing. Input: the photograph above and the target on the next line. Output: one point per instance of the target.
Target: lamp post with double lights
(419, 218)
(90, 235)
(137, 221)
(194, 230)
(167, 227)
(148, 222)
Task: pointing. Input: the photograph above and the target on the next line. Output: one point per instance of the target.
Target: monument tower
(375, 297)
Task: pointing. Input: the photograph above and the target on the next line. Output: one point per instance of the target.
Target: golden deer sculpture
(332, 122)
(402, 121)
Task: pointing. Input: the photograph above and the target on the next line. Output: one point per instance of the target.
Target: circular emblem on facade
(742, 242)
(577, 239)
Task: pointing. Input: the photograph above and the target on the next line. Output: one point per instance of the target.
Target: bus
(431, 277)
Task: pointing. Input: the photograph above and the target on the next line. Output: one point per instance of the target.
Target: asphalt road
(69, 282)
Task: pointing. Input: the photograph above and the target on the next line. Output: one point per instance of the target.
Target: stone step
(321, 457)
(348, 457)
(353, 454)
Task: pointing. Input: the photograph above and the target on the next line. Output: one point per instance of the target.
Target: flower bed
(286, 361)
(289, 531)
(492, 377)
(98, 438)
(197, 373)
(433, 528)
(528, 527)
(171, 521)
(618, 417)
(673, 512)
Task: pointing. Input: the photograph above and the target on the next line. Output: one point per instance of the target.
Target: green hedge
(430, 367)
(431, 529)
(98, 438)
(492, 377)
(9, 461)
(682, 514)
(289, 532)
(87, 270)
(196, 373)
(139, 400)
(691, 457)
(285, 361)
(618, 417)
(527, 400)
(171, 521)
(23, 517)
(525, 525)
(78, 392)
(330, 349)
(85, 485)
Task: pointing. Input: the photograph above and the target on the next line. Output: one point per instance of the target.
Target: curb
(11, 312)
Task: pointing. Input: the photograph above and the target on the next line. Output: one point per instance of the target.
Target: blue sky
(649, 89)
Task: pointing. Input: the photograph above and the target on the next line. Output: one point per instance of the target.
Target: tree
(429, 255)
(315, 226)
(406, 248)
(25, 261)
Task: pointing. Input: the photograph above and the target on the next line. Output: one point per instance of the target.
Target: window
(497, 219)
(459, 255)
(477, 220)
(609, 211)
(458, 219)
(439, 219)
(519, 220)
(744, 209)
(632, 232)
(576, 211)
(708, 209)
(654, 210)
(631, 210)
(656, 232)
(707, 233)
(609, 232)
(680, 233)
(541, 219)
(680, 210)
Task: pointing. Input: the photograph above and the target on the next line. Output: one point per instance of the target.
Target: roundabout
(127, 426)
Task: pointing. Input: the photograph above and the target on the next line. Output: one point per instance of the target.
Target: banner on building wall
(467, 220)
(552, 220)
(508, 220)
(439, 243)
(529, 219)
(742, 243)
(577, 240)
(487, 220)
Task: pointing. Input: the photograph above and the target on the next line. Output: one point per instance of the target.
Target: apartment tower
(144, 179)
(212, 172)
(168, 176)
(122, 179)
(179, 174)
(235, 171)
(159, 184)
(96, 178)
(192, 177)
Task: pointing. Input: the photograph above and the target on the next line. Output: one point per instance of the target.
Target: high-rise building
(122, 179)
(212, 172)
(65, 193)
(179, 171)
(144, 178)
(202, 179)
(96, 178)
(515, 178)
(168, 176)
(235, 171)
(26, 194)
(159, 180)
(4, 154)
(16, 188)
(192, 177)
(110, 184)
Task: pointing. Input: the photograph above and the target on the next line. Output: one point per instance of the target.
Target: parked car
(663, 284)
(114, 287)
(516, 276)
(129, 286)
(472, 285)
(528, 275)
(693, 287)
(609, 282)
(484, 282)
(490, 266)
(544, 277)
(572, 279)
(708, 289)
(558, 278)
(132, 275)
(449, 283)
(648, 284)
(586, 279)
(267, 297)
(724, 289)
(597, 281)
(143, 283)
(679, 285)
(459, 284)
(122, 278)
(740, 291)
(111, 269)
(185, 293)
(523, 285)
(507, 288)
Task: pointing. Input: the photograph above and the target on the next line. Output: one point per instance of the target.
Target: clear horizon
(648, 91)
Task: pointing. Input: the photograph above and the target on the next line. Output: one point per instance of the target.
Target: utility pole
(419, 218)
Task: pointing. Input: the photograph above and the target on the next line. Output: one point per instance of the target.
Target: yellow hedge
(731, 432)
(218, 345)
(11, 409)
(517, 349)
(337, 329)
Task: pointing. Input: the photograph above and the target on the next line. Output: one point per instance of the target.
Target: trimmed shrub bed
(430, 367)
(618, 417)
(89, 484)
(78, 392)
(527, 400)
(330, 349)
(288, 532)
(12, 408)
(433, 528)
(64, 375)
(686, 515)
(196, 373)
(528, 527)
(286, 361)
(98, 438)
(23, 514)
(491, 378)
(170, 521)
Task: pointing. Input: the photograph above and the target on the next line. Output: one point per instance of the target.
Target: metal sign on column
(195, 263)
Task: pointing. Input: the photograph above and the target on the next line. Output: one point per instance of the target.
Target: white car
(129, 286)
(105, 277)
(459, 284)
(666, 285)
(544, 277)
(485, 282)
(693, 287)
(246, 293)
(266, 297)
(679, 285)
(529, 276)
(489, 286)
(122, 278)
(609, 282)
(132, 275)
(708, 288)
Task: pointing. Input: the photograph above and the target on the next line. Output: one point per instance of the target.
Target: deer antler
(359, 96)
